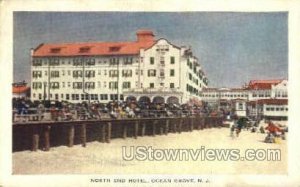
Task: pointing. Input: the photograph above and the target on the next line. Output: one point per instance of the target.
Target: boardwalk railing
(42, 135)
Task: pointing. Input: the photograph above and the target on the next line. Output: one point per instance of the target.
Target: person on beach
(232, 130)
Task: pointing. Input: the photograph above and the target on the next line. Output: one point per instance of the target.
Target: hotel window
(92, 96)
(172, 59)
(73, 96)
(127, 73)
(82, 96)
(113, 61)
(162, 73)
(151, 85)
(113, 73)
(128, 60)
(53, 61)
(55, 50)
(54, 74)
(151, 73)
(113, 96)
(54, 85)
(90, 85)
(37, 62)
(63, 84)
(67, 96)
(103, 96)
(172, 85)
(77, 85)
(190, 76)
(151, 60)
(37, 74)
(37, 85)
(126, 85)
(89, 74)
(56, 96)
(162, 60)
(84, 49)
(90, 61)
(172, 72)
(40, 96)
(63, 72)
(46, 73)
(77, 74)
(113, 85)
(240, 106)
(69, 84)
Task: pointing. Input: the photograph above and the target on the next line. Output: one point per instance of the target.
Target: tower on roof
(145, 36)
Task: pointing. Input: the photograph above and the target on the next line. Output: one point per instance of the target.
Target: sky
(233, 48)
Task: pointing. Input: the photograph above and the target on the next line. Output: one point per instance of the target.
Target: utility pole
(49, 79)
(118, 79)
(83, 79)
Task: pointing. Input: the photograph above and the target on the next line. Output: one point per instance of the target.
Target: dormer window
(84, 49)
(55, 50)
(114, 48)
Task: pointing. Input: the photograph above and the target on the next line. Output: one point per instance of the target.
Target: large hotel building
(143, 70)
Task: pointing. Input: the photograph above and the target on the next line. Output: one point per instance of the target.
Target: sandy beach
(106, 158)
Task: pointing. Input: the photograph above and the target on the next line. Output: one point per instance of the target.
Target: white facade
(161, 70)
(276, 91)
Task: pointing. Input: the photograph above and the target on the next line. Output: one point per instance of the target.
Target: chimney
(145, 36)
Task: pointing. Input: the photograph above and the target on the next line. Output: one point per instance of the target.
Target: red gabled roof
(263, 84)
(145, 40)
(100, 48)
(20, 89)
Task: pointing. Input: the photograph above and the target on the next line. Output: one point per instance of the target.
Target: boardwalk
(43, 135)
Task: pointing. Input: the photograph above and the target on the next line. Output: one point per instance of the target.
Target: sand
(106, 158)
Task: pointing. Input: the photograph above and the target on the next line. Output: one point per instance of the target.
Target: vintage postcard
(121, 93)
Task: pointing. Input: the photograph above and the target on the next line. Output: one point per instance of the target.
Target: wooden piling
(174, 126)
(202, 123)
(47, 137)
(191, 124)
(83, 135)
(108, 132)
(180, 125)
(167, 127)
(161, 128)
(103, 133)
(136, 129)
(154, 127)
(35, 141)
(71, 133)
(124, 131)
(143, 128)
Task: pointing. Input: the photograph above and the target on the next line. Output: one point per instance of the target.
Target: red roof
(270, 102)
(145, 40)
(263, 84)
(20, 89)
